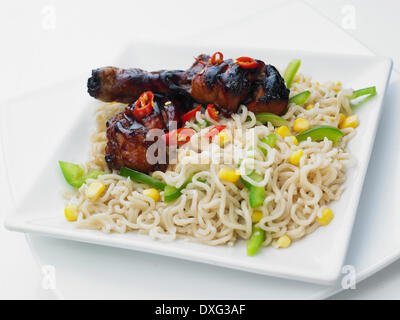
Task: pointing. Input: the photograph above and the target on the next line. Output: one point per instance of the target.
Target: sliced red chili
(178, 137)
(215, 60)
(246, 62)
(213, 112)
(214, 131)
(190, 115)
(144, 105)
(199, 61)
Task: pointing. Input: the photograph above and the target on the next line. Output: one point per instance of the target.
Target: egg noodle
(213, 211)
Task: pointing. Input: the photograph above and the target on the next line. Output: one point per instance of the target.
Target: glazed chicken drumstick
(127, 133)
(225, 83)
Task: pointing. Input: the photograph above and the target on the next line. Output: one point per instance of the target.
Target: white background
(45, 42)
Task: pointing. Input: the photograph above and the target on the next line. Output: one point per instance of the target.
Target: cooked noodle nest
(216, 212)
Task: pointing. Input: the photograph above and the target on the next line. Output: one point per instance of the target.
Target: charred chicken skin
(227, 84)
(126, 85)
(127, 135)
(270, 94)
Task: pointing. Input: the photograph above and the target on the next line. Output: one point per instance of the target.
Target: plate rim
(12, 220)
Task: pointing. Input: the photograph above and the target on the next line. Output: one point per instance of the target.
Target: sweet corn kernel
(341, 119)
(283, 131)
(350, 122)
(223, 138)
(310, 106)
(152, 193)
(301, 124)
(294, 140)
(71, 213)
(326, 217)
(284, 241)
(295, 157)
(256, 216)
(228, 174)
(94, 190)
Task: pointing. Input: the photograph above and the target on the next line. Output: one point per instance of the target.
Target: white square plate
(66, 122)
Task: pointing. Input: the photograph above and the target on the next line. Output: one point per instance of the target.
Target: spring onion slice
(94, 174)
(320, 132)
(269, 140)
(291, 71)
(142, 178)
(363, 92)
(276, 121)
(72, 173)
(75, 175)
(300, 98)
(172, 193)
(255, 241)
(256, 194)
